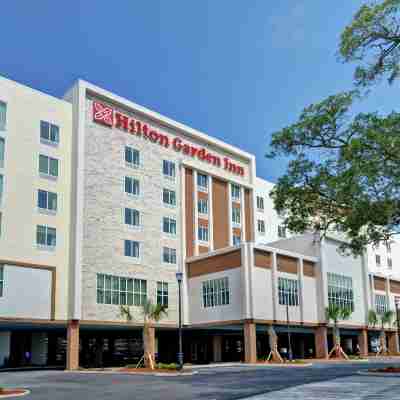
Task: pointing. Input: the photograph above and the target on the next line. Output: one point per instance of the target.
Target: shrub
(171, 366)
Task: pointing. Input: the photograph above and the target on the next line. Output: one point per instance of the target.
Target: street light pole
(179, 277)
(288, 330)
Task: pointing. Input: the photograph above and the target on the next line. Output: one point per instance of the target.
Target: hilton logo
(102, 114)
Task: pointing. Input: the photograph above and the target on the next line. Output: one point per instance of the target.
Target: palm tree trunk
(336, 341)
(146, 345)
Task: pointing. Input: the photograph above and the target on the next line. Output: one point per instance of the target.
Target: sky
(236, 70)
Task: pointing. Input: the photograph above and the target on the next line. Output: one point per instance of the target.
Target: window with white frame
(236, 238)
(132, 217)
(131, 248)
(169, 225)
(216, 292)
(340, 291)
(47, 200)
(235, 192)
(236, 215)
(288, 291)
(162, 294)
(2, 149)
(121, 291)
(261, 227)
(169, 255)
(132, 157)
(169, 169)
(281, 231)
(202, 182)
(48, 165)
(132, 186)
(203, 233)
(1, 280)
(260, 203)
(202, 206)
(46, 236)
(389, 263)
(381, 304)
(377, 260)
(49, 133)
(3, 116)
(169, 197)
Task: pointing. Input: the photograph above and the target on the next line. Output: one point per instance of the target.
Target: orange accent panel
(202, 195)
(287, 264)
(189, 212)
(237, 231)
(262, 259)
(379, 283)
(203, 222)
(395, 287)
(220, 214)
(308, 269)
(203, 249)
(248, 210)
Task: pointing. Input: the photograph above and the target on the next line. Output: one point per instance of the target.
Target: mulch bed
(388, 370)
(149, 370)
(8, 392)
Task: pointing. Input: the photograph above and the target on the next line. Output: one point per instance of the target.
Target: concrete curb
(381, 374)
(243, 365)
(7, 396)
(116, 372)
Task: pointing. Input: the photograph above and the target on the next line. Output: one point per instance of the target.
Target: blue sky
(237, 70)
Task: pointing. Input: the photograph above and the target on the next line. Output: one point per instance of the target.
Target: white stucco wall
(262, 293)
(27, 293)
(310, 309)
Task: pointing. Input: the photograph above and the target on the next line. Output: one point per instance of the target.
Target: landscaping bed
(12, 392)
(387, 370)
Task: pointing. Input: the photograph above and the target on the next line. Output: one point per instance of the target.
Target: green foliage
(372, 40)
(372, 318)
(343, 174)
(171, 366)
(336, 313)
(151, 312)
(386, 318)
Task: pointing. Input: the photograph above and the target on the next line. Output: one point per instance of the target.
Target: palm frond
(372, 318)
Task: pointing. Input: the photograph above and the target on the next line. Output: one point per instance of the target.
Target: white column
(274, 278)
(196, 215)
(210, 214)
(366, 286)
(242, 215)
(246, 282)
(322, 284)
(372, 286)
(300, 271)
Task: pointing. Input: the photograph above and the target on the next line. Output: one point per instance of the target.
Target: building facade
(104, 201)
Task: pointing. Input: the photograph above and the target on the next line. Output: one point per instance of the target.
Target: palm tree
(335, 313)
(372, 318)
(386, 319)
(151, 313)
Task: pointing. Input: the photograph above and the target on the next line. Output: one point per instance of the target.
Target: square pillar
(393, 342)
(363, 342)
(321, 342)
(73, 345)
(217, 348)
(250, 343)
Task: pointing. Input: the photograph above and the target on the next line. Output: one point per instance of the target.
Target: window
(2, 146)
(169, 225)
(162, 294)
(121, 291)
(202, 206)
(288, 292)
(46, 236)
(169, 197)
(202, 182)
(48, 166)
(132, 186)
(260, 203)
(47, 200)
(132, 157)
(132, 248)
(340, 291)
(216, 292)
(261, 227)
(381, 304)
(281, 231)
(203, 233)
(236, 238)
(49, 133)
(132, 217)
(378, 260)
(169, 169)
(236, 215)
(1, 280)
(388, 247)
(3, 116)
(235, 192)
(169, 255)
(389, 263)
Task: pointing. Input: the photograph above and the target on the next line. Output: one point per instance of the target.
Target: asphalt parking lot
(327, 381)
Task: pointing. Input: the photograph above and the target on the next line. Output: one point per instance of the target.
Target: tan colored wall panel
(220, 214)
(395, 287)
(248, 210)
(203, 249)
(217, 263)
(189, 212)
(379, 283)
(262, 259)
(287, 264)
(308, 268)
(202, 195)
(237, 231)
(203, 222)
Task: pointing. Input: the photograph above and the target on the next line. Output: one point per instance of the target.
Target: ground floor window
(288, 292)
(216, 292)
(121, 291)
(162, 294)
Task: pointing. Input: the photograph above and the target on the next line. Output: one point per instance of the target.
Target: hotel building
(104, 201)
